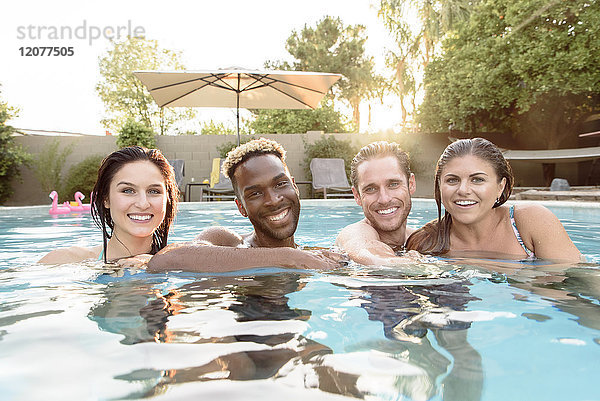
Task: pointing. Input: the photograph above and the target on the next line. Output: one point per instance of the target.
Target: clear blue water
(86, 331)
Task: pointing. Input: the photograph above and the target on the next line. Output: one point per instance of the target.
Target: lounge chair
(220, 186)
(329, 176)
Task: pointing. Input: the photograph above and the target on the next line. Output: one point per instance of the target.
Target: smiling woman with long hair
(134, 203)
(473, 181)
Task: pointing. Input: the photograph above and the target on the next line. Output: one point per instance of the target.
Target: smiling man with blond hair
(382, 184)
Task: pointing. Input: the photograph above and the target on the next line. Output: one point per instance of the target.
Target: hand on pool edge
(137, 261)
(328, 259)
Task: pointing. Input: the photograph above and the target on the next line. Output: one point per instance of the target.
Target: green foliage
(324, 118)
(416, 41)
(224, 148)
(135, 133)
(332, 47)
(519, 66)
(48, 167)
(436, 18)
(82, 177)
(217, 128)
(124, 96)
(328, 147)
(12, 155)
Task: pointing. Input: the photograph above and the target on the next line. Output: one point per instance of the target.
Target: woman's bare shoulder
(71, 255)
(534, 213)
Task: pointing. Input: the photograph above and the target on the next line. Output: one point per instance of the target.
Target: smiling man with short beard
(382, 185)
(267, 195)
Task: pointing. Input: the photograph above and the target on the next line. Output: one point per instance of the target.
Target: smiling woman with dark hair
(472, 182)
(134, 203)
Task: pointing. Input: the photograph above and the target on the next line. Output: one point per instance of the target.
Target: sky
(57, 93)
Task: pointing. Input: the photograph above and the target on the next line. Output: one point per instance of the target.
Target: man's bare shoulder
(220, 236)
(361, 230)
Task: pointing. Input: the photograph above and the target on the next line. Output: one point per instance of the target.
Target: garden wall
(198, 152)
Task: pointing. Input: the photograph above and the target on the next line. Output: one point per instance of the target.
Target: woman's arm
(69, 255)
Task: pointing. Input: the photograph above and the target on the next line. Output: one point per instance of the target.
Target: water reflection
(574, 290)
(407, 312)
(247, 329)
(261, 332)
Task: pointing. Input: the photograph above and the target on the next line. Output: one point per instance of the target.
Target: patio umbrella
(237, 88)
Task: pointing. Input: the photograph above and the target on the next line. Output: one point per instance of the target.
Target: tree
(416, 43)
(324, 118)
(518, 66)
(218, 128)
(12, 155)
(124, 96)
(335, 48)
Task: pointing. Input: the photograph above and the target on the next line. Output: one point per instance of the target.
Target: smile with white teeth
(140, 217)
(387, 211)
(465, 202)
(279, 216)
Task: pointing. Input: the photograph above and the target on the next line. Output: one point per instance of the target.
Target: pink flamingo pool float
(81, 207)
(68, 207)
(55, 209)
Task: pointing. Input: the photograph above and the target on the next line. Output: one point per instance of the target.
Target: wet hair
(248, 150)
(109, 167)
(376, 150)
(434, 237)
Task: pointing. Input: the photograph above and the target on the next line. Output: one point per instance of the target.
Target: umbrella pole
(238, 121)
(238, 111)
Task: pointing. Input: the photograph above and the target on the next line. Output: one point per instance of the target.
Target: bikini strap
(529, 253)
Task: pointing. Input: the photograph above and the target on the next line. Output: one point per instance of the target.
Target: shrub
(12, 155)
(328, 147)
(48, 167)
(82, 177)
(135, 133)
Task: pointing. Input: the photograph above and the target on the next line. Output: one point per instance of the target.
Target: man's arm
(217, 250)
(363, 245)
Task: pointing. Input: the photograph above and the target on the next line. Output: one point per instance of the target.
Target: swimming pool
(87, 331)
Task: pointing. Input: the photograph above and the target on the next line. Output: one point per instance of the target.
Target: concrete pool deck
(586, 194)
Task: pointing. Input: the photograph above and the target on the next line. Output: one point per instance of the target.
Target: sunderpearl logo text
(90, 33)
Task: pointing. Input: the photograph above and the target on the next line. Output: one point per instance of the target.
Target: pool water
(473, 332)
